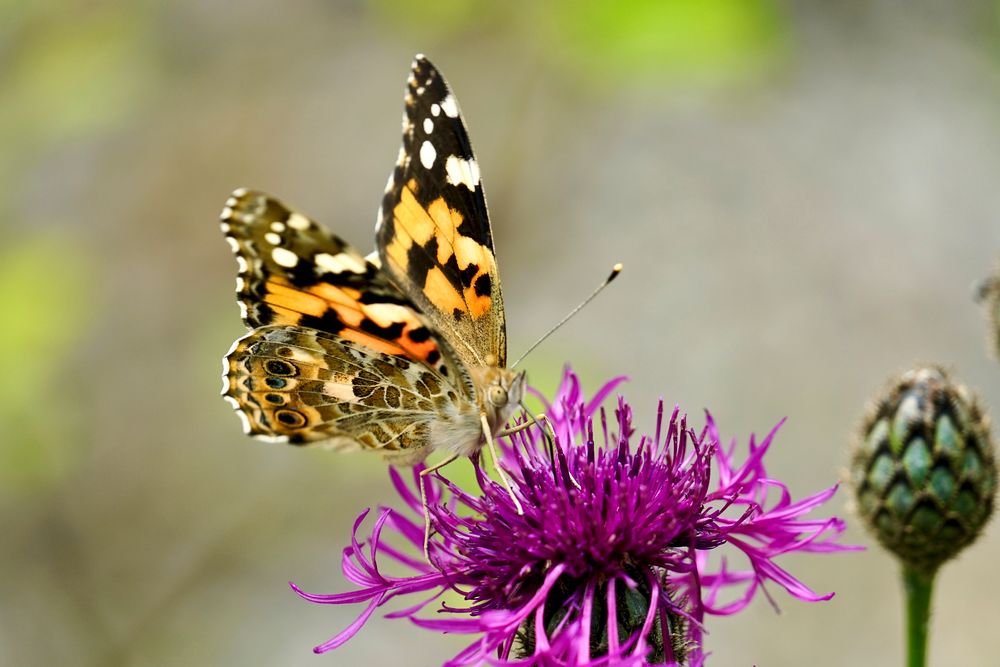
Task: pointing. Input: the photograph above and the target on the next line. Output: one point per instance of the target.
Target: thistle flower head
(608, 563)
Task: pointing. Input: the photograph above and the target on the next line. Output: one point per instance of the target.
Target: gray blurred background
(802, 194)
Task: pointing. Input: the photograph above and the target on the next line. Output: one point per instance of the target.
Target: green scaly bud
(923, 469)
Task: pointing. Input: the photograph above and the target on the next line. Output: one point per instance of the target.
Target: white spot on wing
(449, 106)
(272, 238)
(339, 263)
(373, 258)
(240, 284)
(384, 314)
(241, 264)
(233, 243)
(298, 221)
(270, 438)
(427, 154)
(428, 125)
(464, 172)
(224, 225)
(277, 227)
(284, 257)
(339, 391)
(435, 109)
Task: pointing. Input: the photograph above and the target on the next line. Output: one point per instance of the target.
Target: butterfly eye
(497, 395)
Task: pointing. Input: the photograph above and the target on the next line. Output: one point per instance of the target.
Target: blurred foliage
(34, 347)
(66, 79)
(667, 39)
(617, 40)
(442, 17)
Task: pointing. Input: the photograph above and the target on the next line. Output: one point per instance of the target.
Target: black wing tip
(423, 72)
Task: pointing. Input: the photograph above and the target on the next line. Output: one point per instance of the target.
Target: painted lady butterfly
(403, 351)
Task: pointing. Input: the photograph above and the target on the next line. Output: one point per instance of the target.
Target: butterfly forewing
(294, 271)
(433, 234)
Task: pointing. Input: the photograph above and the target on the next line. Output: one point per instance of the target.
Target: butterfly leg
(547, 432)
(532, 421)
(423, 501)
(496, 461)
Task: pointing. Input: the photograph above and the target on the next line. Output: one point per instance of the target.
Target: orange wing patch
(435, 231)
(383, 327)
(442, 293)
(290, 303)
(478, 292)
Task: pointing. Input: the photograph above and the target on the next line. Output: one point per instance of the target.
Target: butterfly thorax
(498, 394)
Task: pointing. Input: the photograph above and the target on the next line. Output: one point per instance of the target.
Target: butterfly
(402, 351)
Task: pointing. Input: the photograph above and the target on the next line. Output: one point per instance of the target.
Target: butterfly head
(501, 391)
(507, 389)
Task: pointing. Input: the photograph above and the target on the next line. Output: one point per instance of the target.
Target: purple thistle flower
(608, 564)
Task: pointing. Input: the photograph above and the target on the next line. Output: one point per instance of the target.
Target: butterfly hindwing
(433, 234)
(302, 386)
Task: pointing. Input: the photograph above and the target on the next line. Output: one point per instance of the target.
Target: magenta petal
(350, 630)
(341, 598)
(411, 499)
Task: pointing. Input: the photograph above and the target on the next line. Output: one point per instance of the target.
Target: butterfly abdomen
(458, 432)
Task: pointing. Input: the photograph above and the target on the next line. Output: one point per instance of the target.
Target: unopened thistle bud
(923, 469)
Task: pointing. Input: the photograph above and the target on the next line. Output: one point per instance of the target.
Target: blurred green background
(802, 194)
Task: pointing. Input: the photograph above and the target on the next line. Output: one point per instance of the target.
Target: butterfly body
(403, 352)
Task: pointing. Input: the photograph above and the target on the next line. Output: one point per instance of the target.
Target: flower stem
(918, 588)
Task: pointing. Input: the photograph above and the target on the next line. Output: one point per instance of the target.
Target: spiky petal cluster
(608, 564)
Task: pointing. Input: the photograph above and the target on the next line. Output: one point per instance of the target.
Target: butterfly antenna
(615, 270)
